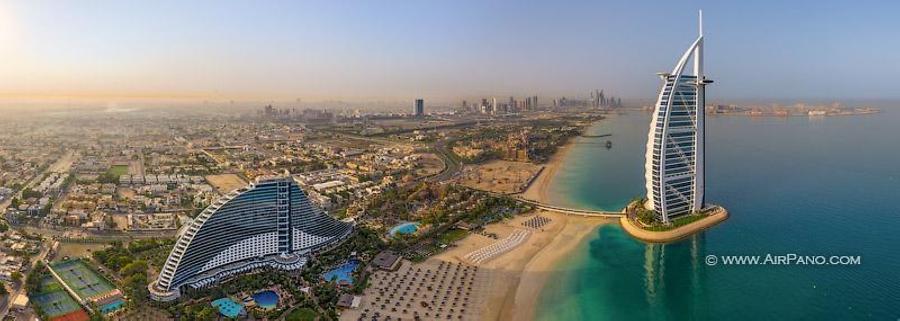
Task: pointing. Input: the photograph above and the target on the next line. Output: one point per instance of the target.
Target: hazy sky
(442, 50)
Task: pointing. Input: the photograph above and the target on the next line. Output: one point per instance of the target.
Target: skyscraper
(420, 107)
(674, 168)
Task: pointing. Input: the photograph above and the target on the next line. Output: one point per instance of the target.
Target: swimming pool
(112, 306)
(342, 273)
(266, 299)
(405, 228)
(228, 307)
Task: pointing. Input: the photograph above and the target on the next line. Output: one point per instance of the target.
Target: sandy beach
(515, 278)
(542, 265)
(539, 189)
(510, 280)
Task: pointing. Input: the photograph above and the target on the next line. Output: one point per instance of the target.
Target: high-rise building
(674, 168)
(268, 224)
(420, 107)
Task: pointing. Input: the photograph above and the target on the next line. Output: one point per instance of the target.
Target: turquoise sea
(807, 186)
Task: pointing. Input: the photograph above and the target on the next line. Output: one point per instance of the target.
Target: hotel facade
(674, 168)
(268, 224)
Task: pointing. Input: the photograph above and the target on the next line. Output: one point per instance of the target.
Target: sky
(442, 50)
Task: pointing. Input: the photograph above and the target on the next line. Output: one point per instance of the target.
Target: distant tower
(674, 168)
(420, 108)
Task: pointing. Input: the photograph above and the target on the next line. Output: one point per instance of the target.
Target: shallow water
(825, 186)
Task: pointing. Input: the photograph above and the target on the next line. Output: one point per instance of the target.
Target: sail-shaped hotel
(674, 169)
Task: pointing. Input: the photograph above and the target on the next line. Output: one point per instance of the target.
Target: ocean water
(806, 186)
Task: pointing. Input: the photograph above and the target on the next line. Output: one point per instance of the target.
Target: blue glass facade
(267, 218)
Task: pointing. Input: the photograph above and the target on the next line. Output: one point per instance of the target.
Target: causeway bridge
(558, 209)
(571, 211)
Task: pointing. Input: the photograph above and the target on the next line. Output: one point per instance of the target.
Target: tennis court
(53, 300)
(82, 279)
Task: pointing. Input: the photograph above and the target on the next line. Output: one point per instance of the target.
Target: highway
(452, 165)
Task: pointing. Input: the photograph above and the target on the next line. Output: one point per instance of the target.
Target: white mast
(700, 142)
(698, 52)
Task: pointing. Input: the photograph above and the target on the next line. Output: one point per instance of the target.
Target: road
(63, 164)
(19, 287)
(107, 236)
(452, 165)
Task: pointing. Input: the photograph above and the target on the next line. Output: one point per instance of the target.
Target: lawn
(118, 170)
(453, 235)
(301, 314)
(678, 222)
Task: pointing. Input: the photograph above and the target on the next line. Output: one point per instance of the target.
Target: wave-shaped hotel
(268, 224)
(674, 169)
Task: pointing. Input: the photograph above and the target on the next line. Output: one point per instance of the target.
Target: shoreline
(538, 190)
(542, 266)
(523, 292)
(514, 279)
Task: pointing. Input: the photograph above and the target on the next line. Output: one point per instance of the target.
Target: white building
(674, 169)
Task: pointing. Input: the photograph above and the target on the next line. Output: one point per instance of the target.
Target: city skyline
(365, 52)
(465, 160)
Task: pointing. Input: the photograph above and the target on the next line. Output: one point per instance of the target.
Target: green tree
(133, 268)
